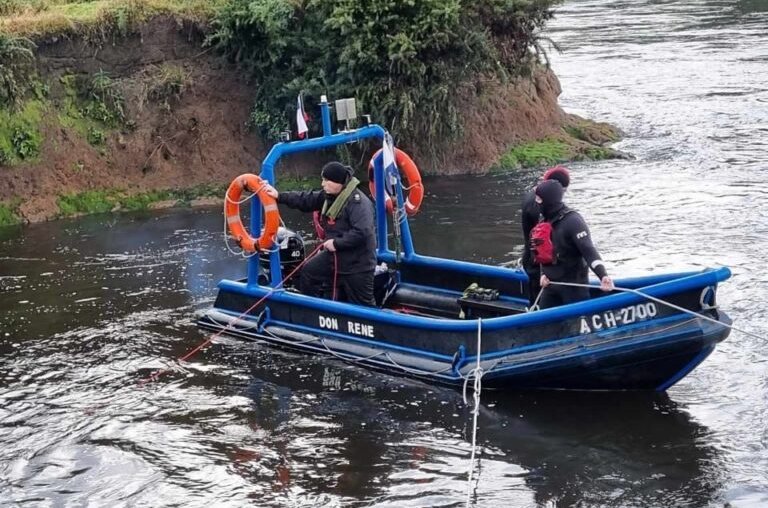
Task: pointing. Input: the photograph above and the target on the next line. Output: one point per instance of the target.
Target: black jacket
(574, 249)
(353, 232)
(531, 212)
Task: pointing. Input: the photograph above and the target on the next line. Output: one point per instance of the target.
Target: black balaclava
(551, 194)
(336, 172)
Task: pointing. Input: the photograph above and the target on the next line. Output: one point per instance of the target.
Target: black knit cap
(336, 172)
(550, 192)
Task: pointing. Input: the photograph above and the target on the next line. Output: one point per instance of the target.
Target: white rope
(232, 251)
(535, 305)
(242, 253)
(477, 375)
(668, 304)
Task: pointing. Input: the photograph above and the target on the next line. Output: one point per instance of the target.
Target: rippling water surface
(90, 307)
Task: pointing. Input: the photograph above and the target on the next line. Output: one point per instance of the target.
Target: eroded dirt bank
(196, 134)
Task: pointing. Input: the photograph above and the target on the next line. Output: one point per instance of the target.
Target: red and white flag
(301, 118)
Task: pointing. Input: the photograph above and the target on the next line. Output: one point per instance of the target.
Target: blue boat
(440, 319)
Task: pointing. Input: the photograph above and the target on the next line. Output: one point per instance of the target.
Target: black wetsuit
(354, 236)
(575, 255)
(531, 212)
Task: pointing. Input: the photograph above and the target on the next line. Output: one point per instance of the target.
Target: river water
(89, 307)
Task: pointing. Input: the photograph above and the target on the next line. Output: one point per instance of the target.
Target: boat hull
(592, 345)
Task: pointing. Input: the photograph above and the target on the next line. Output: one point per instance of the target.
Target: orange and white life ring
(412, 181)
(256, 185)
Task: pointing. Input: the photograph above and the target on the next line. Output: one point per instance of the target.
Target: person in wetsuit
(530, 217)
(349, 247)
(573, 249)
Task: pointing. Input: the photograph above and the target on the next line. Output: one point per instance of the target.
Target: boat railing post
(405, 229)
(275, 270)
(325, 112)
(381, 206)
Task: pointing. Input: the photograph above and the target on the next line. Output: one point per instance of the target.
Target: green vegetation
(551, 151)
(91, 106)
(8, 215)
(409, 63)
(537, 153)
(101, 201)
(20, 137)
(103, 100)
(94, 19)
(17, 69)
(596, 133)
(291, 183)
(108, 200)
(167, 84)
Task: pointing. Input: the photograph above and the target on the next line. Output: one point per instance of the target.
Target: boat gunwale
(687, 282)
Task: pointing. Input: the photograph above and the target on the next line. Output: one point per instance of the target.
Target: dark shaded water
(89, 307)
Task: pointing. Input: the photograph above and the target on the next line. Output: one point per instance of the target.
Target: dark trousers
(317, 280)
(561, 295)
(534, 286)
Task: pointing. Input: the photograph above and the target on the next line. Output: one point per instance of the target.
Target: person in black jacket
(573, 249)
(346, 218)
(530, 217)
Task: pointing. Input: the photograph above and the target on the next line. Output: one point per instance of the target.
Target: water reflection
(565, 449)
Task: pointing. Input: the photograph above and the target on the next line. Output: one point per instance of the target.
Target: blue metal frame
(328, 140)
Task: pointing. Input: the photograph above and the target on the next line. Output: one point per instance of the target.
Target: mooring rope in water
(477, 375)
(668, 304)
(155, 375)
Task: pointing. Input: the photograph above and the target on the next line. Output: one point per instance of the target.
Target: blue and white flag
(388, 162)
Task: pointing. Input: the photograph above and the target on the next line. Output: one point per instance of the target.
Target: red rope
(160, 372)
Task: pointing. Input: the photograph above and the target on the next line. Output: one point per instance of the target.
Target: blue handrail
(327, 140)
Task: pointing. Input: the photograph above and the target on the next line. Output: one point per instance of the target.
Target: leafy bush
(96, 137)
(26, 142)
(104, 100)
(20, 136)
(17, 69)
(408, 62)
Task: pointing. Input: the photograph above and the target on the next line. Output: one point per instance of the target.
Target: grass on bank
(547, 152)
(8, 213)
(578, 140)
(108, 200)
(113, 200)
(581, 141)
(59, 17)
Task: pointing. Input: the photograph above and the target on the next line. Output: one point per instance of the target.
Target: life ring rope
(233, 222)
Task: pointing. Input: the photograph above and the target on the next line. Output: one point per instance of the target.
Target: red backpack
(542, 248)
